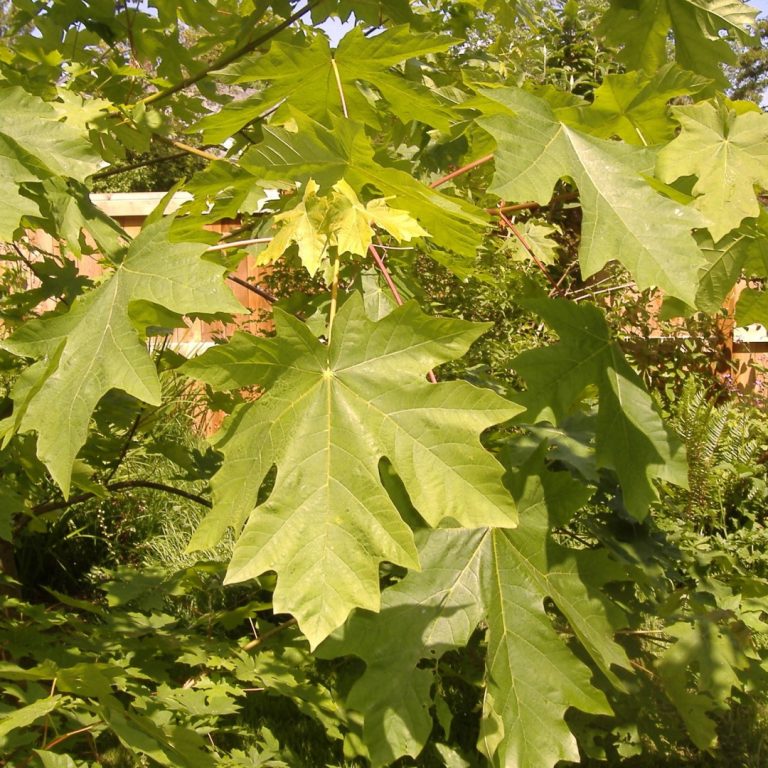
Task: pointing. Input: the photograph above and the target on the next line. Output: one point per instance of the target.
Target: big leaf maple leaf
(624, 219)
(700, 30)
(631, 437)
(35, 145)
(727, 149)
(312, 151)
(329, 414)
(95, 347)
(314, 79)
(504, 577)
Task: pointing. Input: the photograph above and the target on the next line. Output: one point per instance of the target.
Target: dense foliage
(457, 513)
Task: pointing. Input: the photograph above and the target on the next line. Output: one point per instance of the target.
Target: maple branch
(385, 272)
(519, 235)
(133, 166)
(123, 485)
(188, 148)
(253, 288)
(66, 736)
(240, 243)
(255, 643)
(460, 171)
(228, 58)
(532, 205)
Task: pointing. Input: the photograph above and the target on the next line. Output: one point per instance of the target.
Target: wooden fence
(130, 210)
(746, 348)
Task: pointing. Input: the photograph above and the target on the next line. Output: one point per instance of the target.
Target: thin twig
(253, 288)
(52, 506)
(66, 736)
(240, 243)
(255, 643)
(334, 296)
(228, 58)
(133, 166)
(532, 204)
(460, 171)
(189, 148)
(519, 235)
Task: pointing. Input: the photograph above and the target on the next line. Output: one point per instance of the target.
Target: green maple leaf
(633, 106)
(726, 148)
(94, 347)
(713, 652)
(725, 260)
(35, 145)
(642, 28)
(752, 308)
(631, 437)
(329, 414)
(304, 77)
(624, 219)
(309, 150)
(505, 578)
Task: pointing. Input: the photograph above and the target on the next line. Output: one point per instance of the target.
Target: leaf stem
(338, 85)
(66, 736)
(253, 288)
(109, 172)
(256, 642)
(189, 148)
(385, 272)
(228, 58)
(334, 296)
(52, 506)
(459, 171)
(239, 243)
(519, 235)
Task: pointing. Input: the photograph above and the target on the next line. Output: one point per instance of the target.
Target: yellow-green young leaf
(329, 414)
(352, 221)
(504, 577)
(728, 153)
(624, 218)
(314, 152)
(400, 224)
(94, 347)
(337, 220)
(306, 225)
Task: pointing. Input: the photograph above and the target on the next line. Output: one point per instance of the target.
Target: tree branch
(266, 635)
(133, 166)
(519, 235)
(228, 58)
(462, 170)
(123, 485)
(188, 148)
(254, 288)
